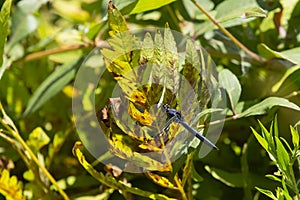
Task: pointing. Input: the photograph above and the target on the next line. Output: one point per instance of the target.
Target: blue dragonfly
(177, 117)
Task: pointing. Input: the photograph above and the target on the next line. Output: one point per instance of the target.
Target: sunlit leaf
(232, 86)
(267, 193)
(22, 24)
(160, 180)
(145, 5)
(111, 181)
(282, 156)
(10, 187)
(54, 147)
(290, 54)
(231, 13)
(267, 104)
(4, 22)
(295, 137)
(37, 139)
(289, 82)
(232, 9)
(116, 21)
(143, 117)
(230, 179)
(29, 175)
(74, 11)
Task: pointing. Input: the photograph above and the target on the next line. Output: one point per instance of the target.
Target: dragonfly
(177, 117)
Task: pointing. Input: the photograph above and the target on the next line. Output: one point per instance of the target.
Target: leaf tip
(111, 6)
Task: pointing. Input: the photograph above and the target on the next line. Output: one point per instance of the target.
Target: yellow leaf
(160, 180)
(10, 187)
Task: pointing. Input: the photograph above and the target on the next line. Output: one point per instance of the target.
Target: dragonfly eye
(165, 107)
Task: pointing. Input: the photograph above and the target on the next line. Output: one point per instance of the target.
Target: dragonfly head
(165, 107)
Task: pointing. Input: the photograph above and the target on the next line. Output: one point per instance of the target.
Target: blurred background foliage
(43, 43)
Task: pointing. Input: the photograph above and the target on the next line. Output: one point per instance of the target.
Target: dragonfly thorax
(172, 113)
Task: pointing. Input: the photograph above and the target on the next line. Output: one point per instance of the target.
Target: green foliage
(42, 45)
(285, 157)
(4, 30)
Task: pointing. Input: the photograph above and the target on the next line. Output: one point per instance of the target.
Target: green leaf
(283, 157)
(289, 82)
(74, 11)
(229, 179)
(232, 9)
(29, 175)
(51, 86)
(260, 139)
(232, 13)
(290, 55)
(235, 179)
(116, 21)
(37, 139)
(268, 136)
(145, 5)
(262, 107)
(267, 193)
(22, 25)
(194, 12)
(295, 137)
(232, 86)
(4, 29)
(55, 146)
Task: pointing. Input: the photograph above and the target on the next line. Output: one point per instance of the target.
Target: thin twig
(48, 52)
(228, 34)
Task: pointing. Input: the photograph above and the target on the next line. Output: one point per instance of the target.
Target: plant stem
(48, 52)
(228, 34)
(6, 121)
(295, 188)
(180, 186)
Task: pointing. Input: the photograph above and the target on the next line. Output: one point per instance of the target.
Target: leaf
(232, 13)
(267, 193)
(262, 107)
(232, 9)
(191, 64)
(283, 157)
(290, 55)
(232, 86)
(37, 139)
(289, 82)
(22, 25)
(10, 187)
(4, 29)
(116, 21)
(229, 179)
(29, 175)
(122, 146)
(111, 181)
(119, 57)
(160, 180)
(74, 11)
(51, 86)
(268, 136)
(55, 146)
(146, 5)
(295, 137)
